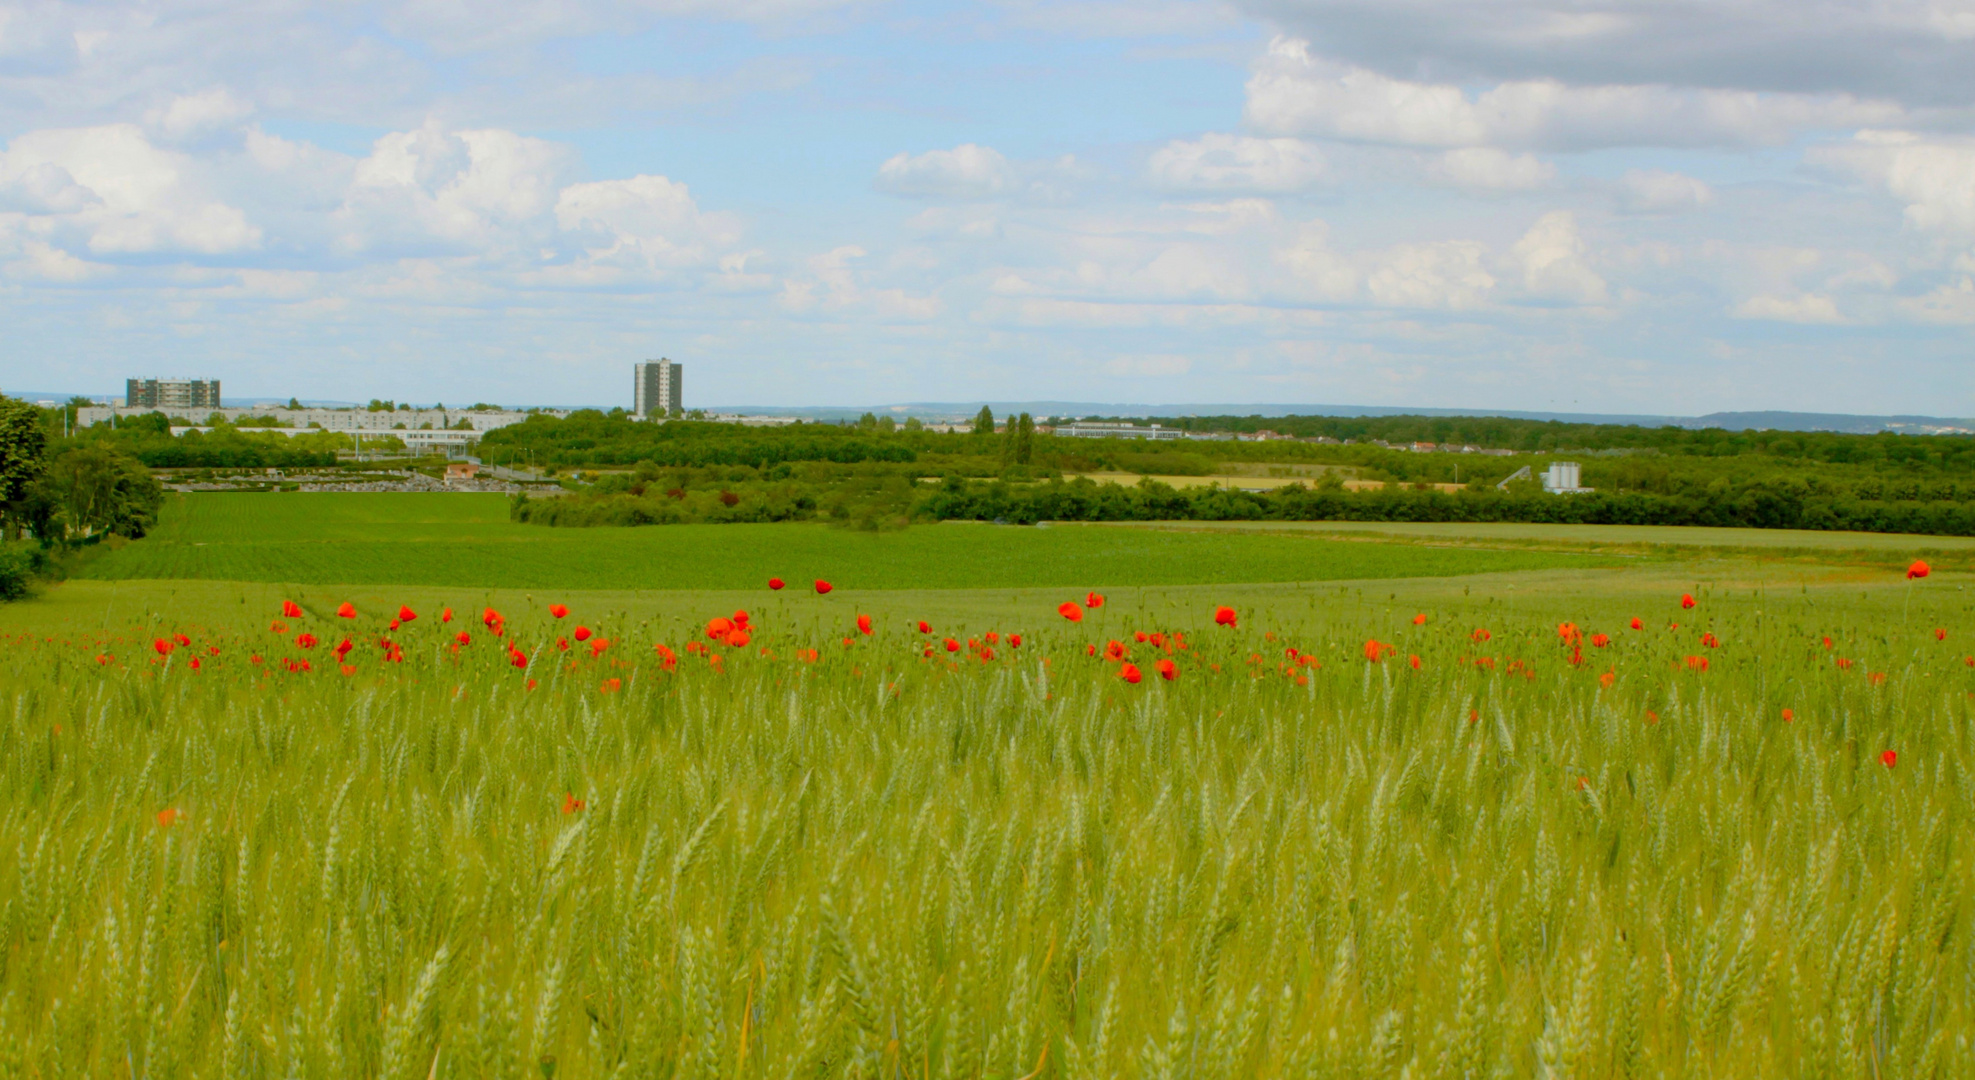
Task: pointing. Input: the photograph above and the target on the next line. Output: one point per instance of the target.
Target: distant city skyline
(1643, 209)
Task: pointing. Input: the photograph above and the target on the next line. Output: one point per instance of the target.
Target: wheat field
(1526, 854)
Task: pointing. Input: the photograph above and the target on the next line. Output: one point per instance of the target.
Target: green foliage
(93, 490)
(588, 437)
(879, 863)
(20, 563)
(1719, 506)
(23, 456)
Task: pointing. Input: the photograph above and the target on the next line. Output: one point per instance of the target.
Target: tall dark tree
(984, 421)
(1025, 439)
(23, 457)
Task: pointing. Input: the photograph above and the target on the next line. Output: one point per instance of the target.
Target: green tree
(1025, 439)
(294, 404)
(92, 490)
(984, 421)
(1011, 432)
(869, 422)
(23, 457)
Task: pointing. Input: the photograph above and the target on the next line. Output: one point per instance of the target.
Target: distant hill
(1732, 421)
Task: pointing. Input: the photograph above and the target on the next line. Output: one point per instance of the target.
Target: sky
(1665, 207)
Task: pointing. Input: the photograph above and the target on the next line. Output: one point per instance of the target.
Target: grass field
(466, 540)
(1407, 827)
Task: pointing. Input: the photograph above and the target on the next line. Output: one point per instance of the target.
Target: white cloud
(1293, 92)
(1484, 168)
(191, 115)
(1934, 176)
(1446, 274)
(646, 222)
(1152, 366)
(1236, 162)
(439, 190)
(1656, 191)
(1552, 257)
(1953, 303)
(965, 172)
(120, 192)
(1801, 308)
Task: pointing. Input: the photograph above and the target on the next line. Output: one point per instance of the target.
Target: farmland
(467, 540)
(1398, 825)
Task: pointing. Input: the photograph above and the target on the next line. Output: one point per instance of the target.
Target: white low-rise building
(402, 422)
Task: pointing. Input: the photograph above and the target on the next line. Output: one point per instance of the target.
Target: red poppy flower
(1608, 678)
(290, 610)
(1919, 569)
(951, 645)
(740, 618)
(864, 624)
(1420, 619)
(518, 658)
(1167, 669)
(666, 657)
(463, 638)
(343, 648)
(562, 644)
(1569, 631)
(1224, 616)
(1069, 610)
(1844, 664)
(446, 615)
(1114, 651)
(306, 641)
(1890, 758)
(736, 638)
(1093, 600)
(571, 804)
(1015, 642)
(406, 614)
(1788, 716)
(163, 646)
(611, 686)
(925, 627)
(169, 817)
(278, 627)
(1375, 650)
(582, 633)
(195, 663)
(1686, 600)
(347, 669)
(1481, 634)
(1139, 636)
(1652, 717)
(1710, 641)
(1697, 663)
(102, 658)
(394, 624)
(1827, 643)
(1637, 624)
(558, 611)
(491, 618)
(1940, 633)
(1130, 674)
(823, 587)
(346, 610)
(598, 646)
(1599, 641)
(718, 627)
(1414, 660)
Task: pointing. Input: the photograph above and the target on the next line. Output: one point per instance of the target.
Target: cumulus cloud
(1933, 175)
(1799, 308)
(1237, 163)
(120, 193)
(1552, 258)
(1656, 191)
(1292, 91)
(1484, 168)
(433, 190)
(965, 172)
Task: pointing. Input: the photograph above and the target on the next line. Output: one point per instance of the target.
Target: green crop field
(1403, 827)
(466, 540)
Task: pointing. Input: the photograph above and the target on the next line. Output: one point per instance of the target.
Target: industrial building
(171, 393)
(656, 390)
(438, 426)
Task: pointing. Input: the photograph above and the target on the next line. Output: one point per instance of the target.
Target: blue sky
(1611, 206)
